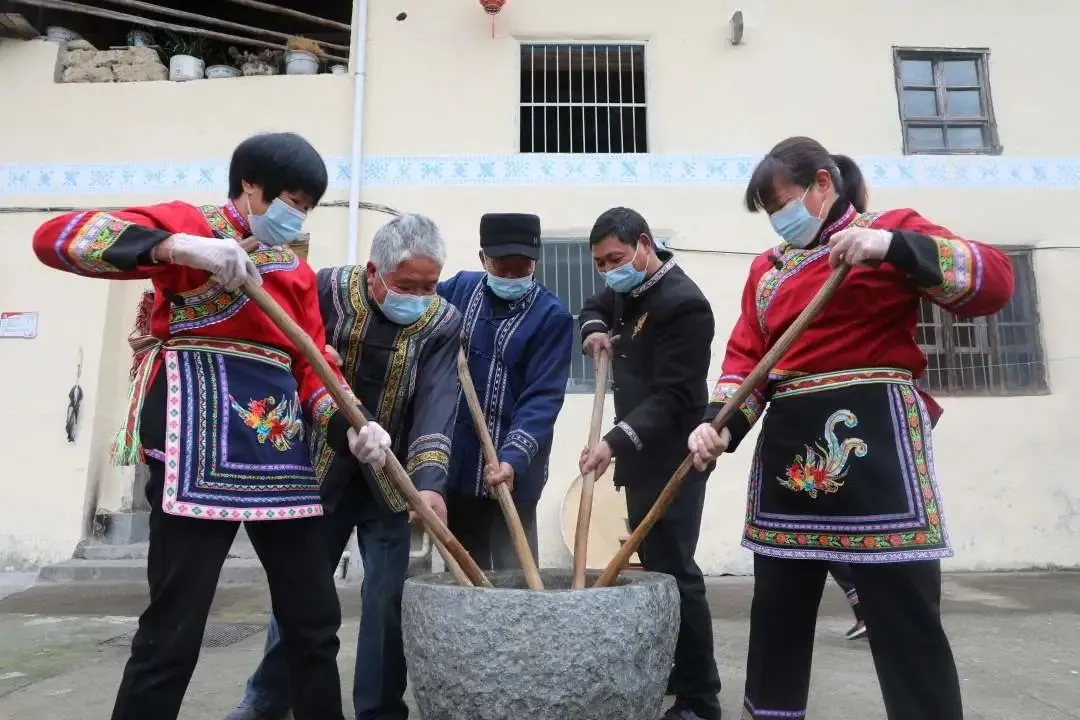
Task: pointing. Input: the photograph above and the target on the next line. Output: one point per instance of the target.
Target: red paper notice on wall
(18, 325)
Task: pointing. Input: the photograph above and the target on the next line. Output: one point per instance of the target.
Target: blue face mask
(626, 277)
(795, 224)
(510, 289)
(279, 225)
(403, 309)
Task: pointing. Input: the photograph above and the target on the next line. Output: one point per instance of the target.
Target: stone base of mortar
(556, 654)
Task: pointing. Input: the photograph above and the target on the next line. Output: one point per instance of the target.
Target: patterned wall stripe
(539, 170)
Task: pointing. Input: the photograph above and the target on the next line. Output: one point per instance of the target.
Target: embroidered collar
(656, 277)
(235, 219)
(837, 225)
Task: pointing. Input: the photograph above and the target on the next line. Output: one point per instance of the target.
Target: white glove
(706, 444)
(859, 246)
(228, 264)
(370, 444)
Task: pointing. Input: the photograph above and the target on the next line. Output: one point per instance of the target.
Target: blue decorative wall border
(539, 170)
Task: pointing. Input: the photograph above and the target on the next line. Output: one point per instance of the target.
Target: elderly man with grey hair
(397, 342)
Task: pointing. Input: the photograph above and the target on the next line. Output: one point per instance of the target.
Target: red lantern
(492, 8)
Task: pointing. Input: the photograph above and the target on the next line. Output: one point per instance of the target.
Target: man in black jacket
(658, 328)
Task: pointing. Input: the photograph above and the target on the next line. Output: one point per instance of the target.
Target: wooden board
(607, 526)
(16, 26)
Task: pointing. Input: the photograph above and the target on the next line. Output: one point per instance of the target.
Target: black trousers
(669, 548)
(185, 560)
(901, 604)
(844, 576)
(479, 525)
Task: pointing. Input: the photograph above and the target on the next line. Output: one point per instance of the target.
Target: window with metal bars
(997, 355)
(945, 104)
(566, 268)
(583, 98)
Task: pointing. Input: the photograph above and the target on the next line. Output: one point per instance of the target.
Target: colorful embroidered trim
(726, 387)
(210, 303)
(175, 424)
(236, 348)
(793, 262)
(429, 450)
(961, 272)
(83, 242)
(805, 384)
(924, 538)
(127, 445)
(752, 713)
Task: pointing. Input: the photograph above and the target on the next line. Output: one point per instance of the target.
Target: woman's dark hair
(796, 161)
(279, 162)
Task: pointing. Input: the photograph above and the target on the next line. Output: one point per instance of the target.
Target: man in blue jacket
(518, 337)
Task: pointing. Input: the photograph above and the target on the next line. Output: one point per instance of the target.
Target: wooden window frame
(937, 56)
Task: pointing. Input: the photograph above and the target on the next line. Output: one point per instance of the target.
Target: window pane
(935, 377)
(974, 372)
(926, 336)
(916, 72)
(566, 268)
(926, 138)
(577, 90)
(964, 103)
(920, 103)
(970, 336)
(961, 72)
(966, 138)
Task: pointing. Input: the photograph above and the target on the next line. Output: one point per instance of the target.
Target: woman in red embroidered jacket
(844, 468)
(220, 405)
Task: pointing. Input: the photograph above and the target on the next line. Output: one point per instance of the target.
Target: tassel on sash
(127, 446)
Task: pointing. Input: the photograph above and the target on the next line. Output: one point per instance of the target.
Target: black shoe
(680, 712)
(249, 713)
(858, 631)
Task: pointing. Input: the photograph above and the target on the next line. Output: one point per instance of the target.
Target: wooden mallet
(502, 493)
(588, 480)
(759, 375)
(440, 534)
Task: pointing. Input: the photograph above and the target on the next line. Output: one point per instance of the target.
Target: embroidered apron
(844, 471)
(235, 442)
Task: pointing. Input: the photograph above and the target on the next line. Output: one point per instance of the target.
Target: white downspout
(359, 55)
(359, 60)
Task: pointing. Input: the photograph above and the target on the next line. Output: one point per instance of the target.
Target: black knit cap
(503, 234)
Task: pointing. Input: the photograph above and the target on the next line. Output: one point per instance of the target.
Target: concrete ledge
(235, 571)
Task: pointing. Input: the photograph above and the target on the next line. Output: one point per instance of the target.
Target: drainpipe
(359, 55)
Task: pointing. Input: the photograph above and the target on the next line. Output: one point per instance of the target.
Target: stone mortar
(556, 654)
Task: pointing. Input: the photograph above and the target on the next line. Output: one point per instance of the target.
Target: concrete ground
(1016, 638)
